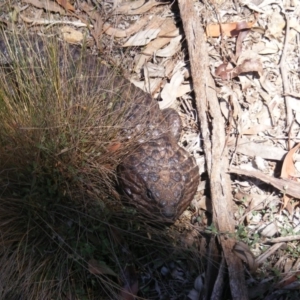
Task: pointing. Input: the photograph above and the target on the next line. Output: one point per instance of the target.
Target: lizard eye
(149, 194)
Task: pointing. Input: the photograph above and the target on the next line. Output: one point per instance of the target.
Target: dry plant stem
(284, 185)
(268, 253)
(217, 163)
(281, 239)
(285, 80)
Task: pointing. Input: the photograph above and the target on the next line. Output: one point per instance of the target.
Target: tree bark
(213, 134)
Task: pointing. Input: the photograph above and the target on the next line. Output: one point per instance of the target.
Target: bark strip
(213, 134)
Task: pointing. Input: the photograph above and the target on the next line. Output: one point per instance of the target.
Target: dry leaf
(288, 170)
(149, 51)
(47, 5)
(269, 230)
(268, 48)
(142, 38)
(250, 129)
(131, 5)
(66, 5)
(253, 7)
(184, 89)
(260, 164)
(119, 33)
(157, 27)
(248, 65)
(275, 25)
(251, 148)
(239, 43)
(154, 71)
(136, 7)
(114, 147)
(168, 28)
(70, 35)
(155, 45)
(227, 29)
(286, 203)
(169, 92)
(173, 47)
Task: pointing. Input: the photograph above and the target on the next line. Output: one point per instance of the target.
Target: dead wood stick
(285, 79)
(285, 186)
(217, 164)
(285, 239)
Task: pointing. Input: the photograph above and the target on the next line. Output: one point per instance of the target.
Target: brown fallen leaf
(113, 147)
(286, 204)
(263, 150)
(136, 7)
(248, 65)
(47, 5)
(276, 25)
(149, 51)
(227, 29)
(70, 35)
(158, 27)
(121, 33)
(243, 30)
(288, 170)
(66, 5)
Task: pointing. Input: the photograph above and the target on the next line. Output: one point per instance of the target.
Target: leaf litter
(254, 52)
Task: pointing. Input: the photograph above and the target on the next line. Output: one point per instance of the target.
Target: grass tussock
(55, 114)
(63, 117)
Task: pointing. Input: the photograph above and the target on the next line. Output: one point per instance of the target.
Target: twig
(281, 239)
(268, 253)
(286, 186)
(285, 81)
(53, 22)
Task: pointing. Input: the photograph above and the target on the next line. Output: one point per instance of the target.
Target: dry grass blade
(64, 129)
(55, 109)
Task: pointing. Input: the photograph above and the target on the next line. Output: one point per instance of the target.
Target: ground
(252, 52)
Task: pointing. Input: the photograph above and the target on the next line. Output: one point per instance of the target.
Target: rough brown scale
(160, 178)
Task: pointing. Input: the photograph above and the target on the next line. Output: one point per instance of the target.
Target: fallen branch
(286, 186)
(214, 140)
(290, 238)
